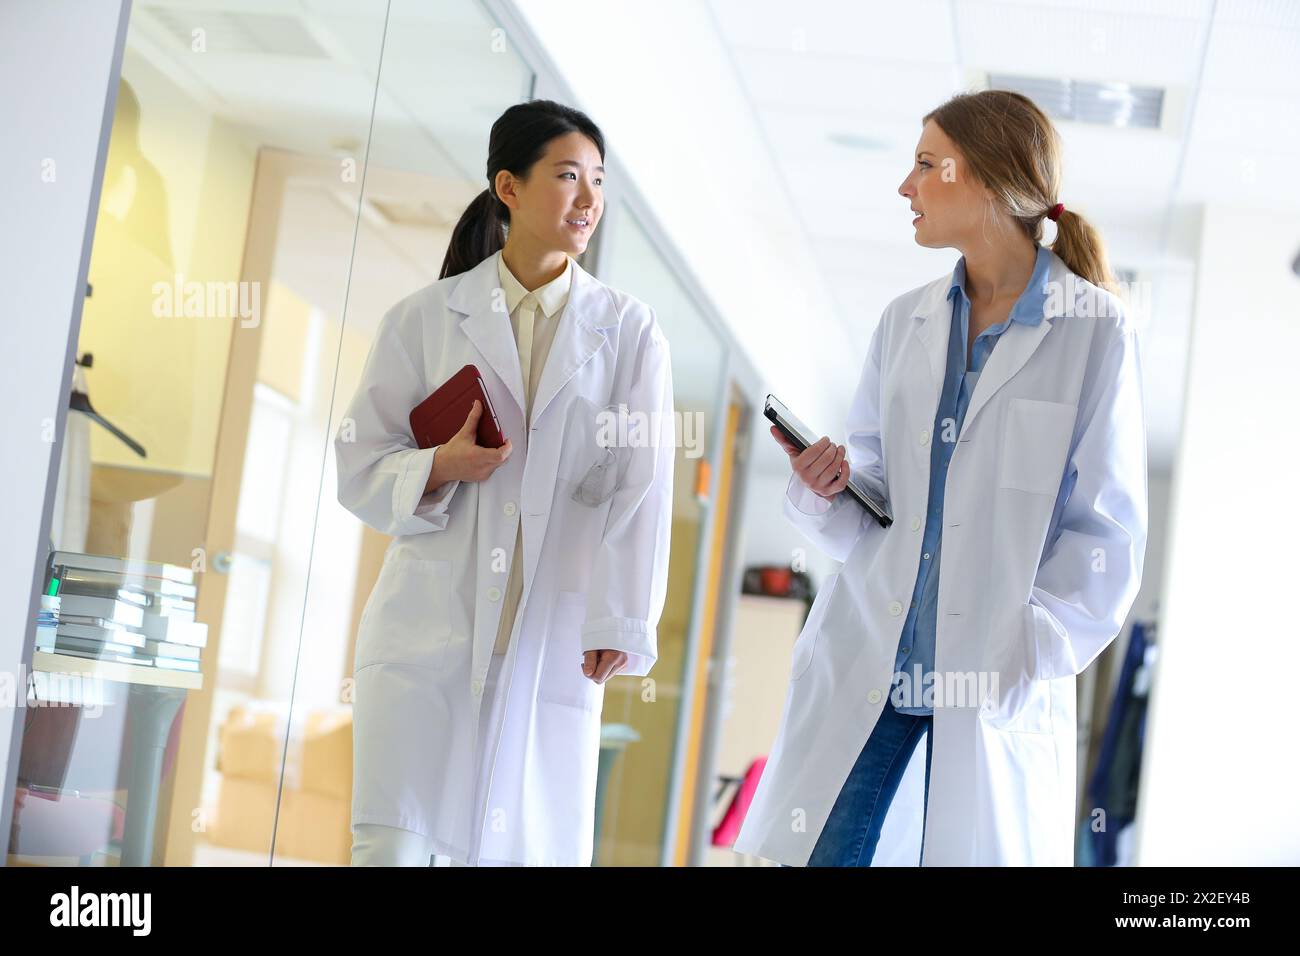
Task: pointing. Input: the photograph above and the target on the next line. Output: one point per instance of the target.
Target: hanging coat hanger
(80, 402)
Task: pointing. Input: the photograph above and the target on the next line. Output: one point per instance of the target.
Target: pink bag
(725, 833)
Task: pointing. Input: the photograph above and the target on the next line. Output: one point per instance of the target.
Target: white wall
(770, 538)
(56, 61)
(1146, 606)
(1220, 778)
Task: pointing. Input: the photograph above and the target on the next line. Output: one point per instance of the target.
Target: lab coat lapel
(932, 322)
(578, 337)
(933, 326)
(479, 296)
(1008, 357)
(1015, 347)
(581, 334)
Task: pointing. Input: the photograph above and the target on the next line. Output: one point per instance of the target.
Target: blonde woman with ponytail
(1000, 413)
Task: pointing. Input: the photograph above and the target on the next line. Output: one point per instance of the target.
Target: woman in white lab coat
(520, 579)
(1000, 414)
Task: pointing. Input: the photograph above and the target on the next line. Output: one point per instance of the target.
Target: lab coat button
(895, 608)
(916, 522)
(510, 509)
(476, 687)
(925, 437)
(874, 697)
(494, 594)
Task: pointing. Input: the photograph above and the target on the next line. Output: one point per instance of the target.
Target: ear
(505, 186)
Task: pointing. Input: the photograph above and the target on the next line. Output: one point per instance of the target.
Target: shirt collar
(551, 297)
(1029, 308)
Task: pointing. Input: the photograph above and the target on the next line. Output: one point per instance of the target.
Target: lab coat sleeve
(833, 525)
(1090, 577)
(381, 470)
(630, 577)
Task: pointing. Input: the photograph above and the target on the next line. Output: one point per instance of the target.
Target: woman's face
(561, 201)
(950, 205)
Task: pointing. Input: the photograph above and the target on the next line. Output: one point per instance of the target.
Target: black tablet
(801, 437)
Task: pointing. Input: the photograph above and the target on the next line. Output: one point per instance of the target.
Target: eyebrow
(569, 162)
(924, 152)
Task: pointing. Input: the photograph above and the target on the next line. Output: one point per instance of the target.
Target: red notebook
(436, 419)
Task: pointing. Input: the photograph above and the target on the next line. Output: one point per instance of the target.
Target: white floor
(205, 854)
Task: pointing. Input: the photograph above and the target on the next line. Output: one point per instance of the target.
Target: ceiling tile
(918, 31)
(1109, 42)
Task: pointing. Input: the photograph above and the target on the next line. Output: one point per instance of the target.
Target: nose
(905, 188)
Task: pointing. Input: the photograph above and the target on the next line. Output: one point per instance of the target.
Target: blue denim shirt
(915, 655)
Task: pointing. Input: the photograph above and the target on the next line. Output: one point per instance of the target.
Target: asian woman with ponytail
(519, 579)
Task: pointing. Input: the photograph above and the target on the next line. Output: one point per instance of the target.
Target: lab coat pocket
(1018, 706)
(593, 438)
(407, 619)
(1024, 798)
(1035, 440)
(562, 679)
(806, 644)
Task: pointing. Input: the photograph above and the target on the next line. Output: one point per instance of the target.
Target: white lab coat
(595, 575)
(1045, 523)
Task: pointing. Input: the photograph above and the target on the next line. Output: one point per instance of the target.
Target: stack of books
(123, 610)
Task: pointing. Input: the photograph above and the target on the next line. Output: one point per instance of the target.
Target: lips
(581, 222)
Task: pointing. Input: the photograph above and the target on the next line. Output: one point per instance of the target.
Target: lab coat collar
(1029, 308)
(591, 310)
(932, 325)
(551, 296)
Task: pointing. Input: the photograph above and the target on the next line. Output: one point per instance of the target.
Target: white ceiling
(820, 71)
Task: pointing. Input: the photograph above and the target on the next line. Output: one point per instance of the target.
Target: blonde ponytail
(1080, 247)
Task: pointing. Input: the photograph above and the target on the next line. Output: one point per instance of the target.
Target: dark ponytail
(518, 139)
(480, 232)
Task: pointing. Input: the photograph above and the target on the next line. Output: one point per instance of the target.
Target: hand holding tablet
(820, 464)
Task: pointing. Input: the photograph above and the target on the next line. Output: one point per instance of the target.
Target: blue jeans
(852, 830)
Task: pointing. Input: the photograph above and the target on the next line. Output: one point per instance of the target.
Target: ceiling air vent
(1104, 104)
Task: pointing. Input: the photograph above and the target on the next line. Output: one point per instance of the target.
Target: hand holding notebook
(459, 419)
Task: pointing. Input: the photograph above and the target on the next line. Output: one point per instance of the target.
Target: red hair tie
(1055, 212)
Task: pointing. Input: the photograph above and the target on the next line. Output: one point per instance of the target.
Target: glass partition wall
(279, 174)
(643, 718)
(186, 704)
(448, 72)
